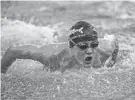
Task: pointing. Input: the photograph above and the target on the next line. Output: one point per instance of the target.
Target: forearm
(7, 59)
(14, 53)
(113, 57)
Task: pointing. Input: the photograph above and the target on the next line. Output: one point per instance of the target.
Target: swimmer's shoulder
(61, 50)
(53, 49)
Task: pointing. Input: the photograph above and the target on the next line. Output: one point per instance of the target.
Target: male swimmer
(82, 50)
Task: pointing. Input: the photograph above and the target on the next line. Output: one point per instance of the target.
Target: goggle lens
(94, 44)
(82, 46)
(85, 45)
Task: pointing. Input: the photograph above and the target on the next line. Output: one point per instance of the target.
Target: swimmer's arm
(114, 55)
(103, 54)
(109, 56)
(55, 61)
(14, 53)
(71, 63)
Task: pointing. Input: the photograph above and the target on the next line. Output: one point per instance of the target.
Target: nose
(89, 51)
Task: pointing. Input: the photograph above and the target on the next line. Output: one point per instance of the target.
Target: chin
(87, 64)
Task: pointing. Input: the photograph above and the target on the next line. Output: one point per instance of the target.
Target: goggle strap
(72, 41)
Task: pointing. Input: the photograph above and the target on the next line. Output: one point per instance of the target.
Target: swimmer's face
(84, 52)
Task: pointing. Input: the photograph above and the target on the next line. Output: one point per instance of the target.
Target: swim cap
(82, 31)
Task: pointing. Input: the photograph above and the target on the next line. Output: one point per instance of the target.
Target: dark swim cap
(82, 31)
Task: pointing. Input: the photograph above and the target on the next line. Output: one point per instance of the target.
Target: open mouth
(88, 59)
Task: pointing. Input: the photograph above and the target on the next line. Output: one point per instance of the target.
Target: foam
(27, 33)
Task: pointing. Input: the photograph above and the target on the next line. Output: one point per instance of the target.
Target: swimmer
(81, 50)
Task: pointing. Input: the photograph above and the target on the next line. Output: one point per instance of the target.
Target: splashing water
(85, 81)
(25, 33)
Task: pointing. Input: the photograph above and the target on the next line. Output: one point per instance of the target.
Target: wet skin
(56, 56)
